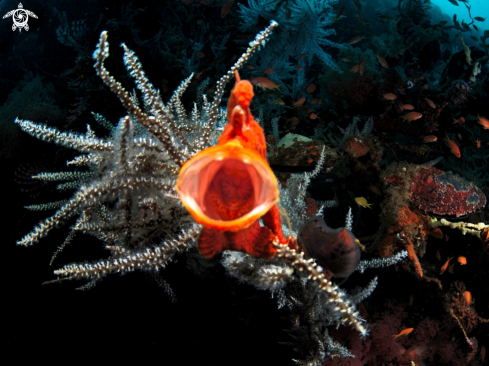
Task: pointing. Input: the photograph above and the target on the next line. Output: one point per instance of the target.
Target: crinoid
(124, 195)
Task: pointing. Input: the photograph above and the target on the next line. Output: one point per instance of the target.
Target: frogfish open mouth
(227, 188)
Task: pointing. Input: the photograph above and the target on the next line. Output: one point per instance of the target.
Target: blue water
(478, 8)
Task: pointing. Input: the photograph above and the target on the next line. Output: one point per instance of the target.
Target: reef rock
(443, 193)
(300, 151)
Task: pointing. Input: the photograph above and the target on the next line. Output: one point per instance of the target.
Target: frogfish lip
(201, 177)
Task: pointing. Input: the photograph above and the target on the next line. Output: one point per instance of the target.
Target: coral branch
(255, 45)
(126, 260)
(381, 262)
(464, 227)
(335, 295)
(412, 255)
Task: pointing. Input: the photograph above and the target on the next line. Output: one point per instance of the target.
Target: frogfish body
(227, 188)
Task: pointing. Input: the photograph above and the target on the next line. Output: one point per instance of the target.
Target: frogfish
(228, 187)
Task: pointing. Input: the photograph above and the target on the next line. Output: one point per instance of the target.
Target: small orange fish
(430, 138)
(460, 120)
(430, 103)
(294, 121)
(390, 96)
(342, 9)
(403, 333)
(268, 71)
(360, 19)
(313, 116)
(407, 107)
(278, 101)
(375, 190)
(452, 145)
(438, 256)
(478, 143)
(462, 260)
(356, 39)
(468, 297)
(264, 82)
(200, 54)
(445, 266)
(315, 101)
(483, 353)
(302, 56)
(483, 122)
(299, 103)
(359, 68)
(299, 67)
(412, 116)
(382, 61)
(225, 9)
(310, 88)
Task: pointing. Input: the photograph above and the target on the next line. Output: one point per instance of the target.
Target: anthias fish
(403, 333)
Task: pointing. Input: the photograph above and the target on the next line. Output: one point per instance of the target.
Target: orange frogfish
(227, 188)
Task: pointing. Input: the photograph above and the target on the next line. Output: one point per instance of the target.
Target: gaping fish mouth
(227, 187)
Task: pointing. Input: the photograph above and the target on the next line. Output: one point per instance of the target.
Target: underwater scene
(256, 182)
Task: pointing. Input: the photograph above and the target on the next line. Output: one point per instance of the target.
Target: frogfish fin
(255, 240)
(211, 242)
(273, 221)
(238, 121)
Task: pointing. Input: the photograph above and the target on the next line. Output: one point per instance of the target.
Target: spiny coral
(303, 28)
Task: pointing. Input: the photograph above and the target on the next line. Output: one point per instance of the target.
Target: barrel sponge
(334, 249)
